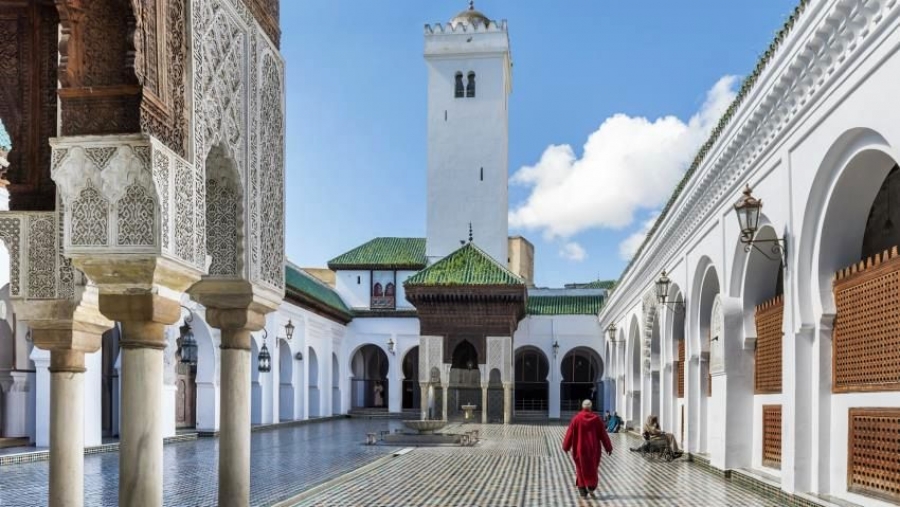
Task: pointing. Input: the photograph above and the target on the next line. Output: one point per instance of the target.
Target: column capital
(64, 324)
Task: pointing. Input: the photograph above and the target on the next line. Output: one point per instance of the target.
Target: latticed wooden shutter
(866, 341)
(873, 454)
(767, 369)
(771, 436)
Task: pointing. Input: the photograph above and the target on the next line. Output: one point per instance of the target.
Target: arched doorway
(370, 378)
(655, 367)
(531, 370)
(700, 372)
(581, 370)
(286, 382)
(185, 393)
(315, 405)
(465, 380)
(412, 395)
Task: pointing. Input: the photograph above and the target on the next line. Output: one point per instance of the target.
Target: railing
(531, 405)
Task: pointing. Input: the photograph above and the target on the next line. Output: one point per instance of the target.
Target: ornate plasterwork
(222, 243)
(649, 306)
(499, 356)
(808, 63)
(37, 268)
(270, 249)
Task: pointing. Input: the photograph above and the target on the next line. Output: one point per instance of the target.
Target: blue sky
(643, 81)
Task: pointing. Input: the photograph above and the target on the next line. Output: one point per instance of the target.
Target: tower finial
(470, 223)
(471, 5)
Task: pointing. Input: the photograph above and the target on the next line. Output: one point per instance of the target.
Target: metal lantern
(611, 332)
(188, 342)
(747, 209)
(264, 360)
(555, 348)
(391, 344)
(289, 330)
(662, 287)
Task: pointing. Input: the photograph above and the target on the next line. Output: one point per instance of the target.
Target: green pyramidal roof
(466, 266)
(384, 253)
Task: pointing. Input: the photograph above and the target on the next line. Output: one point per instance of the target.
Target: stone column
(141, 431)
(445, 394)
(484, 403)
(507, 402)
(66, 428)
(68, 332)
(423, 399)
(236, 316)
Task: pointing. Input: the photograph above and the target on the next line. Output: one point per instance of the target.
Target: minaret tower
(469, 82)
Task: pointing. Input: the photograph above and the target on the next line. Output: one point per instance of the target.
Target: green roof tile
(564, 305)
(467, 266)
(384, 253)
(299, 281)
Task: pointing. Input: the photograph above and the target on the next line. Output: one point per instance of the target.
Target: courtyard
(327, 464)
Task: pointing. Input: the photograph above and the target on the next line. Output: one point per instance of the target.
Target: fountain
(425, 431)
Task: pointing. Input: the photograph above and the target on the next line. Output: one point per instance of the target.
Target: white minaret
(469, 82)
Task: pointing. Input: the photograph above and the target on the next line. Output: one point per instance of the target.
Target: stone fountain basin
(425, 427)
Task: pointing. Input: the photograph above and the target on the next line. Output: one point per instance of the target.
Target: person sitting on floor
(614, 423)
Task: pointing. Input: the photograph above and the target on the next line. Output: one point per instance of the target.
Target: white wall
(354, 287)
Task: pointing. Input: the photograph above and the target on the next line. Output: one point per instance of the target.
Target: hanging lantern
(289, 330)
(188, 345)
(264, 360)
(747, 209)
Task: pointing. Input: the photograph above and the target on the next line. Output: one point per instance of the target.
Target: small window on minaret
(470, 85)
(481, 176)
(459, 85)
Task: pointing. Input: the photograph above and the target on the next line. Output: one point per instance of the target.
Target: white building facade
(779, 355)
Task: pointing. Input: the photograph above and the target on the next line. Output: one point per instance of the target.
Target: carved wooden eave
(827, 38)
(483, 310)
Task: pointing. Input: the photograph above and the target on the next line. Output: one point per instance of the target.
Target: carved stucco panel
(10, 228)
(270, 248)
(42, 256)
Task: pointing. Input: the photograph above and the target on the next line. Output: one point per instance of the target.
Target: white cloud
(628, 164)
(573, 252)
(629, 246)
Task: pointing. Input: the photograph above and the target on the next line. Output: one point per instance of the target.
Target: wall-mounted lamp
(555, 349)
(714, 339)
(662, 294)
(298, 356)
(264, 360)
(747, 209)
(188, 342)
(289, 330)
(611, 332)
(391, 344)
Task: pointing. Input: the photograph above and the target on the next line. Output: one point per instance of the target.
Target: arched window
(459, 85)
(470, 85)
(389, 290)
(377, 290)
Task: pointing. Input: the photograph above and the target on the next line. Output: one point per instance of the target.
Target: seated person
(614, 423)
(652, 431)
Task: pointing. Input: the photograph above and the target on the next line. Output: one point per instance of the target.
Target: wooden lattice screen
(767, 370)
(873, 455)
(679, 368)
(866, 342)
(771, 436)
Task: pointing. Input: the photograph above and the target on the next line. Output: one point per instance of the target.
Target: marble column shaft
(234, 426)
(66, 428)
(507, 402)
(141, 431)
(484, 404)
(445, 391)
(423, 399)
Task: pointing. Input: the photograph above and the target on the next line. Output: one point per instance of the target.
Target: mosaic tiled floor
(519, 465)
(524, 466)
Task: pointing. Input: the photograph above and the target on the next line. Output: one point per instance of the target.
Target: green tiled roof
(466, 266)
(596, 284)
(302, 283)
(564, 305)
(384, 253)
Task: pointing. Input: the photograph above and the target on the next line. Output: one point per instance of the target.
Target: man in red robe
(584, 437)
